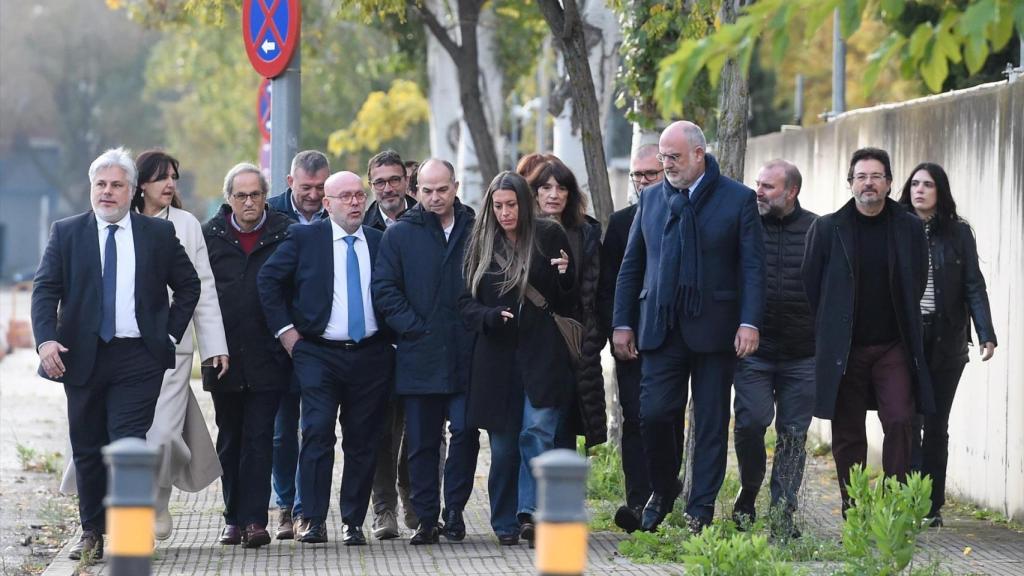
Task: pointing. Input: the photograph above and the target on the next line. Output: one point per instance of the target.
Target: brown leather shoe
(255, 536)
(285, 526)
(89, 545)
(231, 535)
(301, 525)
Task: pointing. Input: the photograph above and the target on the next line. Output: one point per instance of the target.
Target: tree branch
(439, 31)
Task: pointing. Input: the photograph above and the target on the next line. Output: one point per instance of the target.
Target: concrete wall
(978, 136)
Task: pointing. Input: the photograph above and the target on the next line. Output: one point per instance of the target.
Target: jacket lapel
(89, 240)
(326, 266)
(844, 231)
(143, 250)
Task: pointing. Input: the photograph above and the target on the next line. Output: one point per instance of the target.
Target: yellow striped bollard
(131, 490)
(561, 516)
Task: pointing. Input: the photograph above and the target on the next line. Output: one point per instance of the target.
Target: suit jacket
(67, 295)
(612, 251)
(373, 219)
(283, 203)
(732, 265)
(296, 284)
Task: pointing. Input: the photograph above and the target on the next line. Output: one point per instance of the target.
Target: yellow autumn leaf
(967, 551)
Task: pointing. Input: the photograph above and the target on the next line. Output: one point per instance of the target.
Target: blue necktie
(109, 319)
(356, 319)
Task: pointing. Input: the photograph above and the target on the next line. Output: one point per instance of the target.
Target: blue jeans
(510, 482)
(286, 453)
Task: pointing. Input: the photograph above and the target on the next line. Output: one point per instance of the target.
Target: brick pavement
(193, 550)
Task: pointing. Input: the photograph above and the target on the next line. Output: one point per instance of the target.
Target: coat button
(839, 362)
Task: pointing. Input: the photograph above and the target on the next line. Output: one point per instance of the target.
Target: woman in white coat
(188, 458)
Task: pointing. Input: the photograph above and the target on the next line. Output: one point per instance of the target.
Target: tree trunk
(733, 100)
(465, 53)
(443, 90)
(567, 33)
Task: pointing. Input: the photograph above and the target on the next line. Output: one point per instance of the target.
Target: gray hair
(645, 151)
(243, 168)
(793, 177)
(695, 135)
(119, 157)
(310, 162)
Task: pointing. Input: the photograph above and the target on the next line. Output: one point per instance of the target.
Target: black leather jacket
(960, 293)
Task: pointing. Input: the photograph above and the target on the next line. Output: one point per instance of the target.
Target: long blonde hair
(488, 237)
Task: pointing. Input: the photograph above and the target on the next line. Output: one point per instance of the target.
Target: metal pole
(285, 98)
(561, 517)
(838, 68)
(131, 493)
(798, 101)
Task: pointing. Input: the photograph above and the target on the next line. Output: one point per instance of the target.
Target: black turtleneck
(875, 317)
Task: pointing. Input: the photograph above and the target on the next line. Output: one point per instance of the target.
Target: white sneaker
(164, 525)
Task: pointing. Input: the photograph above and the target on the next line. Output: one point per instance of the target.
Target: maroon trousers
(875, 375)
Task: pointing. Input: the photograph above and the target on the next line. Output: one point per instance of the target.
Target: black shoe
(425, 535)
(743, 512)
(352, 535)
(255, 536)
(696, 524)
(527, 529)
(658, 508)
(628, 518)
(454, 526)
(90, 545)
(508, 539)
(315, 533)
(934, 521)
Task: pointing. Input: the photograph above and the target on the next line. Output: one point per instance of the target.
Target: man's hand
(220, 361)
(747, 340)
(289, 338)
(624, 344)
(49, 357)
(987, 350)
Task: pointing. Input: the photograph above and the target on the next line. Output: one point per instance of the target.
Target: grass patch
(32, 460)
(985, 514)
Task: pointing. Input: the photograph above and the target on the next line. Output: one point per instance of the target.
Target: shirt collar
(338, 232)
(387, 220)
(696, 183)
(125, 223)
(258, 226)
(302, 217)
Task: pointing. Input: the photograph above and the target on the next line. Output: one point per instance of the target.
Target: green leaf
(878, 59)
(975, 52)
(850, 12)
(948, 45)
(893, 9)
(919, 40)
(1018, 17)
(934, 69)
(1001, 30)
(817, 13)
(977, 17)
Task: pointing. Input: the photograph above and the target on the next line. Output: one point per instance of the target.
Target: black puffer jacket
(258, 362)
(960, 294)
(788, 330)
(589, 417)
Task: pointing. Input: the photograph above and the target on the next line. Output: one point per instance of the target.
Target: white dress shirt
(125, 324)
(337, 325)
(388, 222)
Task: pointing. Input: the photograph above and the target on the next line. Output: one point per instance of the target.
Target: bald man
(315, 292)
(689, 299)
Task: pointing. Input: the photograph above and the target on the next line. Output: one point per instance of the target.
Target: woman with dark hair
(521, 374)
(955, 294)
(559, 198)
(188, 459)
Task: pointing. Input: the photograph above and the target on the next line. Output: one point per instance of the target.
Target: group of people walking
(415, 322)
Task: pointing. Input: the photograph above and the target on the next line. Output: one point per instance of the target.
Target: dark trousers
(358, 382)
(878, 372)
(425, 416)
(930, 452)
(663, 395)
(392, 461)
(245, 446)
(634, 464)
(286, 452)
(117, 401)
(783, 391)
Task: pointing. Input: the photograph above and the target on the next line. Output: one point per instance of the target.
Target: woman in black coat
(240, 238)
(521, 376)
(560, 199)
(955, 294)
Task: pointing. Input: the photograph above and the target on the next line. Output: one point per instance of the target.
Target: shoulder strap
(532, 294)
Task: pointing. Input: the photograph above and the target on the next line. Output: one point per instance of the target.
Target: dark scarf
(679, 271)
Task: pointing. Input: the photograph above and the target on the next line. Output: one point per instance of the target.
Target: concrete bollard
(131, 493)
(561, 516)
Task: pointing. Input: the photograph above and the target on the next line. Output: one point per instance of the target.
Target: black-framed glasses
(642, 175)
(243, 197)
(380, 183)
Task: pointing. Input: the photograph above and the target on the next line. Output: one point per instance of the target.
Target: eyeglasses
(348, 197)
(243, 197)
(665, 158)
(641, 175)
(861, 178)
(380, 183)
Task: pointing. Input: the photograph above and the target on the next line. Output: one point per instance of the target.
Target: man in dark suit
(689, 296)
(303, 203)
(416, 285)
(315, 292)
(644, 172)
(100, 309)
